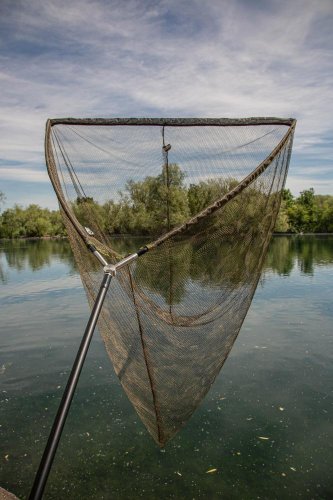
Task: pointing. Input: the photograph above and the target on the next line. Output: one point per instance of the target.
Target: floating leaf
(210, 471)
(293, 468)
(281, 408)
(263, 437)
(4, 367)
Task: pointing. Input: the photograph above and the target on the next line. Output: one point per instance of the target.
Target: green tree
(161, 201)
(13, 222)
(302, 214)
(307, 213)
(282, 224)
(206, 192)
(287, 198)
(324, 213)
(90, 214)
(33, 221)
(306, 198)
(150, 205)
(57, 224)
(37, 222)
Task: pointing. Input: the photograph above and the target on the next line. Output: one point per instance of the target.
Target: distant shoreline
(136, 236)
(301, 234)
(31, 238)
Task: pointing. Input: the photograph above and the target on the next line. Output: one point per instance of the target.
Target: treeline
(307, 213)
(31, 222)
(153, 205)
(141, 209)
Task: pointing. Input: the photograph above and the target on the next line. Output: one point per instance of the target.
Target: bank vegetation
(140, 209)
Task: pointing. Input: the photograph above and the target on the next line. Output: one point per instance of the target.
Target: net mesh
(203, 195)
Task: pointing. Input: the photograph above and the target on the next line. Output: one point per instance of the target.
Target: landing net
(202, 196)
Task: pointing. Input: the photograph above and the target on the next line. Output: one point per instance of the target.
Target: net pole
(60, 419)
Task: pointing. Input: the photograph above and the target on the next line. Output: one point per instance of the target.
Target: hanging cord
(160, 435)
(166, 148)
(59, 166)
(91, 218)
(74, 178)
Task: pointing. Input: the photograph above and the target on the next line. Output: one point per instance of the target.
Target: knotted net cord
(204, 195)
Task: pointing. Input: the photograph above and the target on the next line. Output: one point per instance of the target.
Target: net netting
(202, 195)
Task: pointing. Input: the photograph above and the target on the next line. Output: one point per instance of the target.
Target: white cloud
(23, 174)
(296, 185)
(231, 58)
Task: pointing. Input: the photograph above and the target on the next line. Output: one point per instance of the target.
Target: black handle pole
(59, 422)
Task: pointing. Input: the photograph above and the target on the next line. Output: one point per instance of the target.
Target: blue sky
(213, 58)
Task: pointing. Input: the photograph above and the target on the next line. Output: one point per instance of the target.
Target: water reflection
(174, 318)
(305, 252)
(282, 359)
(284, 254)
(33, 255)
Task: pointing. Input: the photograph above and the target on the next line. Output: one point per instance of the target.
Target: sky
(163, 58)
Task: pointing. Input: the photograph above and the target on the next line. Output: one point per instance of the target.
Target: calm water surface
(265, 426)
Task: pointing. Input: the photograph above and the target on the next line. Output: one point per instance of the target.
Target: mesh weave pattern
(206, 196)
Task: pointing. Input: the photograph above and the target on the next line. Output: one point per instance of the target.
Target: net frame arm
(175, 122)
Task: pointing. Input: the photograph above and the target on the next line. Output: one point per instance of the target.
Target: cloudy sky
(206, 58)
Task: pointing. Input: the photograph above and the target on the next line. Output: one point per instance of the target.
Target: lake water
(265, 426)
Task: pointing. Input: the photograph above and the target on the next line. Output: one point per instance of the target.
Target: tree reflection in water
(306, 252)
(195, 368)
(35, 254)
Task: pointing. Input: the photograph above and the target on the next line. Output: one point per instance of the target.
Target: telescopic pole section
(59, 422)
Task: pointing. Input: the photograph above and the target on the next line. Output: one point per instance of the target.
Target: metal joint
(112, 268)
